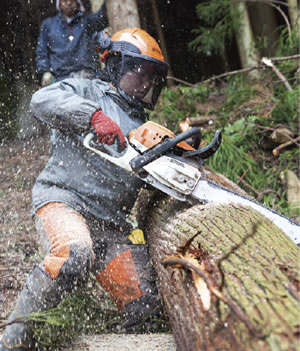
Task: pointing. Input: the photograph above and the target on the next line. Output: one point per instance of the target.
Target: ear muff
(104, 45)
(103, 41)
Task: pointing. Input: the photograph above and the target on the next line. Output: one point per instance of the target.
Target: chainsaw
(175, 166)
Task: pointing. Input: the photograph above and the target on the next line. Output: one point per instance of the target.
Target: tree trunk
(263, 20)
(96, 4)
(248, 299)
(244, 37)
(122, 14)
(294, 14)
(162, 42)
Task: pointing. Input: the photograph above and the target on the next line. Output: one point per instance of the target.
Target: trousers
(75, 245)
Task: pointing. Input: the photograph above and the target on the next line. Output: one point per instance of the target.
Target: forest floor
(20, 164)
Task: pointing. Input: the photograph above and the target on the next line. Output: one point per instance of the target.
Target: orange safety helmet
(146, 44)
(137, 53)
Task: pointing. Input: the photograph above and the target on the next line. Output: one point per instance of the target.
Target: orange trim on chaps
(64, 226)
(120, 279)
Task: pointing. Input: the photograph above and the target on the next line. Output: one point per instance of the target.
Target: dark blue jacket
(57, 54)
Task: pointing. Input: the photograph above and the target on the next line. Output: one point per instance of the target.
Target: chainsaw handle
(160, 149)
(122, 160)
(207, 151)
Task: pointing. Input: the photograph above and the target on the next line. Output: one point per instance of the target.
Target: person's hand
(47, 79)
(106, 129)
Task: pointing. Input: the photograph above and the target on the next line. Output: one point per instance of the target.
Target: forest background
(219, 78)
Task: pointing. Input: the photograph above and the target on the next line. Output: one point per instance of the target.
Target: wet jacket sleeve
(67, 105)
(97, 21)
(42, 50)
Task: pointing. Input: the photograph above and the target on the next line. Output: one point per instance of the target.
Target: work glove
(106, 129)
(47, 79)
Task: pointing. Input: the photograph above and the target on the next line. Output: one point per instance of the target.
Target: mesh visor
(142, 80)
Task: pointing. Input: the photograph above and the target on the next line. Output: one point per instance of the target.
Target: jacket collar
(75, 18)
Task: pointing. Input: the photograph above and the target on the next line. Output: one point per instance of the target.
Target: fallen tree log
(228, 277)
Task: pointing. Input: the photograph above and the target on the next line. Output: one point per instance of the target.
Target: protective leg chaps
(68, 248)
(129, 278)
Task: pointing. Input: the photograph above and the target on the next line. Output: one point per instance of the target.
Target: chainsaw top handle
(152, 154)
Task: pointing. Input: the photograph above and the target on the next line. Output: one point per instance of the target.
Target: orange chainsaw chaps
(120, 279)
(63, 226)
(150, 134)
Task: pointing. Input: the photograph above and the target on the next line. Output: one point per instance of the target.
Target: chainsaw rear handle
(142, 160)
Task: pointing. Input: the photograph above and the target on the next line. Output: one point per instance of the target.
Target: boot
(141, 315)
(39, 293)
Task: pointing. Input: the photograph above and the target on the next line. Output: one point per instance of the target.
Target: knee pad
(75, 269)
(67, 242)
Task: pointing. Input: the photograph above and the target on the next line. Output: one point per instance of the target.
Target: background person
(65, 46)
(80, 200)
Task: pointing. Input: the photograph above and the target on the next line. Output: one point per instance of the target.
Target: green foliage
(77, 314)
(231, 160)
(234, 159)
(219, 21)
(287, 110)
(239, 157)
(242, 130)
(247, 116)
(175, 104)
(238, 91)
(83, 312)
(288, 43)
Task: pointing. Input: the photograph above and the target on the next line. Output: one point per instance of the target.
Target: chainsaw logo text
(178, 163)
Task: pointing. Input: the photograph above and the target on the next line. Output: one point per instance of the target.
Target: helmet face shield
(134, 64)
(141, 79)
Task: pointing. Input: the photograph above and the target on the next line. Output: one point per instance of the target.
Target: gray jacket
(74, 175)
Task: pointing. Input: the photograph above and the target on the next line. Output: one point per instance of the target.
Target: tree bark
(96, 4)
(122, 14)
(245, 39)
(162, 42)
(293, 10)
(263, 20)
(248, 296)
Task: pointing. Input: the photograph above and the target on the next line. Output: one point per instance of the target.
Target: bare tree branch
(277, 150)
(226, 74)
(271, 3)
(175, 262)
(269, 63)
(272, 130)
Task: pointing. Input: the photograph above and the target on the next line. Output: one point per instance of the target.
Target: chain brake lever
(207, 151)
